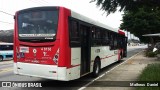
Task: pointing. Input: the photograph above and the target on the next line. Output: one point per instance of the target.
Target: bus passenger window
(74, 34)
(105, 38)
(111, 43)
(93, 33)
(74, 29)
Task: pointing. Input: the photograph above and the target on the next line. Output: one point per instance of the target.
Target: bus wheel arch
(96, 67)
(1, 58)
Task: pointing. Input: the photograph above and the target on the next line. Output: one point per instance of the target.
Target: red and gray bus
(58, 43)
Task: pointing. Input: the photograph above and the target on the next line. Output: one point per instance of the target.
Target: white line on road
(6, 62)
(6, 70)
(107, 72)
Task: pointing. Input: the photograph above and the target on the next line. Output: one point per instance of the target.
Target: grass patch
(150, 73)
(150, 54)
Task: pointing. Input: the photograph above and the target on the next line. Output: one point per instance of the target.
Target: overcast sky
(81, 6)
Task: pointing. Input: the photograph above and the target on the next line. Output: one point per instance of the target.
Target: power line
(37, 2)
(6, 22)
(4, 27)
(44, 2)
(6, 13)
(40, 2)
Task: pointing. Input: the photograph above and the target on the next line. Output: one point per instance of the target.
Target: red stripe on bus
(74, 66)
(108, 56)
(105, 57)
(91, 61)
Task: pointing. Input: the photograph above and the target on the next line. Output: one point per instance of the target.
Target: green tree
(140, 16)
(143, 21)
(110, 6)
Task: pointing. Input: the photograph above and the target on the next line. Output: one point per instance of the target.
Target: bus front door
(85, 49)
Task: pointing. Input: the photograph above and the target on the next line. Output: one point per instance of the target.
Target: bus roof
(77, 16)
(91, 21)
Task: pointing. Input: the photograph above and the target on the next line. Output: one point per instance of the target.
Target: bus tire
(1, 58)
(96, 68)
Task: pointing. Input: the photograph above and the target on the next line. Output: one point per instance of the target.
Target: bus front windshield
(37, 25)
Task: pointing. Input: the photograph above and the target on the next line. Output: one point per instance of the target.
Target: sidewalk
(128, 71)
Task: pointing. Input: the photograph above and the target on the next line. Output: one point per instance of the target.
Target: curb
(109, 70)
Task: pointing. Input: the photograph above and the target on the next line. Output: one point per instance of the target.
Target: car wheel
(1, 58)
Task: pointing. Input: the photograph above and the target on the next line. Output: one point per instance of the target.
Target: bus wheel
(96, 68)
(1, 58)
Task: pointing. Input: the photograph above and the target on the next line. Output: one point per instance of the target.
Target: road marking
(6, 62)
(6, 70)
(108, 71)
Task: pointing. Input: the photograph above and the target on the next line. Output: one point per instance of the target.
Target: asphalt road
(6, 74)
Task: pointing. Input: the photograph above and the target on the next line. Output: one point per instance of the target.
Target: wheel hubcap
(97, 68)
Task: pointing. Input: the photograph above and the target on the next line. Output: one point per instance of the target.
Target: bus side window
(115, 42)
(93, 33)
(105, 38)
(118, 42)
(111, 43)
(94, 36)
(121, 42)
(74, 34)
(98, 37)
(74, 29)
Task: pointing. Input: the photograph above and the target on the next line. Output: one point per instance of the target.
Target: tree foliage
(110, 6)
(6, 36)
(143, 21)
(140, 16)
